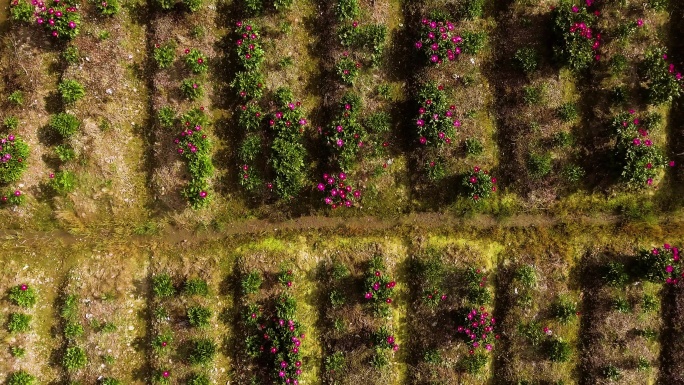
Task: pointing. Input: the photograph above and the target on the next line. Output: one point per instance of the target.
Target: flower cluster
(478, 329)
(479, 183)
(338, 193)
(60, 18)
(248, 83)
(384, 339)
(439, 41)
(13, 153)
(662, 264)
(436, 123)
(663, 81)
(12, 197)
(194, 147)
(642, 159)
(378, 287)
(346, 136)
(575, 41)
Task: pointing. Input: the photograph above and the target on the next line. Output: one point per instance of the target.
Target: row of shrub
(198, 352)
(24, 297)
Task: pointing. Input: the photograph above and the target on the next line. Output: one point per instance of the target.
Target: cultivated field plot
(341, 192)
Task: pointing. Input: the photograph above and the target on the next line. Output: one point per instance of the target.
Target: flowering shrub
(476, 286)
(63, 182)
(191, 89)
(661, 264)
(22, 295)
(164, 55)
(346, 135)
(439, 41)
(436, 123)
(383, 341)
(478, 329)
(575, 42)
(347, 69)
(60, 19)
(249, 51)
(64, 124)
(194, 147)
(431, 273)
(663, 83)
(12, 197)
(249, 85)
(479, 183)
(338, 193)
(108, 7)
(13, 154)
(641, 158)
(378, 287)
(196, 61)
(162, 342)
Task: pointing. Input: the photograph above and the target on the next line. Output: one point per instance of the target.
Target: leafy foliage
(162, 286)
(65, 124)
(199, 316)
(164, 55)
(20, 378)
(23, 295)
(74, 358)
(203, 351)
(71, 91)
(18, 323)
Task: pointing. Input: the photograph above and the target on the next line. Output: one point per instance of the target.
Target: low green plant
(167, 116)
(164, 55)
(198, 379)
(473, 42)
(16, 97)
(108, 7)
(251, 282)
(63, 183)
(69, 308)
(567, 112)
(532, 331)
(380, 359)
(23, 295)
(20, 378)
(559, 350)
(253, 8)
(649, 303)
(17, 352)
(162, 286)
(473, 146)
(74, 358)
(71, 55)
(616, 274)
(564, 310)
(202, 352)
(473, 363)
(19, 323)
(64, 124)
(379, 122)
(539, 165)
(347, 9)
(192, 5)
(199, 316)
(526, 276)
(621, 305)
(527, 60)
(473, 9)
(643, 364)
(335, 362)
(11, 122)
(618, 64)
(73, 330)
(196, 286)
(611, 373)
(534, 94)
(347, 69)
(65, 153)
(71, 91)
(572, 173)
(110, 381)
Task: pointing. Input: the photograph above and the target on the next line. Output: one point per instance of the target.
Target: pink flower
(423, 140)
(669, 269)
(419, 44)
(640, 23)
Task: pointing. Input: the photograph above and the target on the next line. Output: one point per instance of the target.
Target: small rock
(130, 57)
(131, 328)
(87, 58)
(109, 91)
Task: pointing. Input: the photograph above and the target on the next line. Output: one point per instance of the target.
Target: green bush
(621, 305)
(658, 5)
(253, 7)
(380, 359)
(564, 310)
(347, 9)
(198, 379)
(64, 124)
(69, 308)
(251, 282)
(379, 122)
(572, 48)
(473, 363)
(534, 95)
(335, 362)
(167, 116)
(526, 276)
(532, 331)
(162, 286)
(16, 97)
(196, 61)
(435, 170)
(643, 364)
(199, 316)
(202, 352)
(165, 5)
(71, 55)
(649, 303)
(567, 112)
(196, 286)
(661, 84)
(563, 139)
(191, 89)
(527, 60)
(65, 153)
(11, 122)
(616, 274)
(618, 64)
(19, 323)
(473, 9)
(539, 165)
(473, 146)
(73, 330)
(162, 342)
(71, 91)
(108, 7)
(22, 295)
(20, 378)
(74, 358)
(23, 12)
(473, 42)
(110, 381)
(63, 183)
(17, 352)
(164, 55)
(193, 5)
(559, 350)
(280, 5)
(572, 173)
